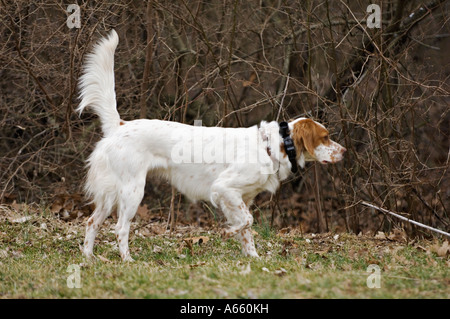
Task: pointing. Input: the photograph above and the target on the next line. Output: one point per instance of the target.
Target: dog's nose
(343, 150)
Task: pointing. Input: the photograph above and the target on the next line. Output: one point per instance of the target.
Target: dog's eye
(325, 138)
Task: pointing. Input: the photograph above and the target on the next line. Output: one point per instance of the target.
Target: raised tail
(97, 83)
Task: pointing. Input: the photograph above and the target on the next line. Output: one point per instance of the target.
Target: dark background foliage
(383, 93)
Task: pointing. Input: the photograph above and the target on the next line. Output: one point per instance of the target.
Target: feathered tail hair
(97, 83)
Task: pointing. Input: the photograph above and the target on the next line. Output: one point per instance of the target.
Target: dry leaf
(106, 260)
(323, 252)
(398, 235)
(20, 219)
(196, 240)
(200, 240)
(315, 266)
(173, 291)
(443, 250)
(158, 229)
(280, 272)
(157, 249)
(17, 207)
(439, 250)
(250, 80)
(380, 235)
(16, 253)
(284, 230)
(55, 208)
(198, 264)
(142, 212)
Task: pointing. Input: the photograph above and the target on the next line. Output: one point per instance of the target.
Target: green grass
(35, 256)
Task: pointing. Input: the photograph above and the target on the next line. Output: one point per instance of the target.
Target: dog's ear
(304, 136)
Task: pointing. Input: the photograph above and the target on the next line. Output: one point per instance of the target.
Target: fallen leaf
(198, 264)
(142, 212)
(439, 250)
(55, 208)
(157, 249)
(196, 240)
(17, 207)
(65, 215)
(158, 229)
(173, 291)
(200, 240)
(443, 250)
(284, 230)
(323, 251)
(397, 235)
(380, 235)
(288, 246)
(280, 272)
(106, 260)
(17, 254)
(21, 219)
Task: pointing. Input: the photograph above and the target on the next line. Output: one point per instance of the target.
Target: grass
(36, 256)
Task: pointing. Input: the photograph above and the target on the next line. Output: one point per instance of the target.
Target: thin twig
(282, 99)
(405, 219)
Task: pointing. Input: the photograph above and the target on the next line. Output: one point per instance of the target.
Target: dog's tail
(97, 84)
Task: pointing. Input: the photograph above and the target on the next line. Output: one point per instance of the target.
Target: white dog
(227, 166)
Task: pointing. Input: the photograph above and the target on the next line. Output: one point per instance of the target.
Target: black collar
(289, 146)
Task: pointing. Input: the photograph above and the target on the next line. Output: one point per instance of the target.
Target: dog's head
(313, 143)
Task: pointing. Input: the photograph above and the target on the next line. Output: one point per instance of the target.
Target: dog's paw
(225, 233)
(252, 254)
(127, 258)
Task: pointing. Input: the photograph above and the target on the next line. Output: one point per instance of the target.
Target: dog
(226, 166)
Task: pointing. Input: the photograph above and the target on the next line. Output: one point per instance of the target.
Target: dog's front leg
(245, 237)
(238, 216)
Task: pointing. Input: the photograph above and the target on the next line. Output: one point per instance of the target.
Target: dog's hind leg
(93, 224)
(130, 196)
